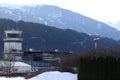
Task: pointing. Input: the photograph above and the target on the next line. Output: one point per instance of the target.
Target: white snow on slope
(17, 78)
(53, 75)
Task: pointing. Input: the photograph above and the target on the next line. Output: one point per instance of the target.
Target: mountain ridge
(114, 24)
(60, 18)
(49, 38)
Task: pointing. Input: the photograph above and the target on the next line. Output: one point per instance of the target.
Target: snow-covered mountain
(114, 24)
(60, 18)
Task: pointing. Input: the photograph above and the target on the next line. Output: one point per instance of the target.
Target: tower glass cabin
(13, 44)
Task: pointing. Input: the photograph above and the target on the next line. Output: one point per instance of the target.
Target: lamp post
(95, 40)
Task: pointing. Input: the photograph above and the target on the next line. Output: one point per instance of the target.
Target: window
(14, 35)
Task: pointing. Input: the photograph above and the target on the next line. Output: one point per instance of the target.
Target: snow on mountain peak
(57, 17)
(114, 24)
(11, 6)
(14, 6)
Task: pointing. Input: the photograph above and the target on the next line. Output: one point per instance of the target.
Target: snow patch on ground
(16, 78)
(53, 75)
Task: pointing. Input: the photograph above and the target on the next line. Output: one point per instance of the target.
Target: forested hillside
(42, 37)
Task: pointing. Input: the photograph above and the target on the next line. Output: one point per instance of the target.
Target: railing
(12, 39)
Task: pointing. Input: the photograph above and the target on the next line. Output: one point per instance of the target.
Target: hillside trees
(100, 64)
(71, 61)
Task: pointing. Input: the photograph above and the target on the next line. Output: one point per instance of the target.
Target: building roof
(21, 64)
(7, 63)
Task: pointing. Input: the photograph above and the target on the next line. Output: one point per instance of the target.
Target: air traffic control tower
(13, 44)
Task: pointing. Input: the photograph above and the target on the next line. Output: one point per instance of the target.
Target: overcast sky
(102, 10)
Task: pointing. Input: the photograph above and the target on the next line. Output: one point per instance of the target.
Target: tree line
(94, 64)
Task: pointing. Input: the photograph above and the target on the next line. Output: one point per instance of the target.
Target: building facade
(43, 59)
(13, 44)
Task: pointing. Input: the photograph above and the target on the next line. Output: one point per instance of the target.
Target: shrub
(100, 64)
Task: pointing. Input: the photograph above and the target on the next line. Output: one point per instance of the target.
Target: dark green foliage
(47, 38)
(107, 68)
(69, 63)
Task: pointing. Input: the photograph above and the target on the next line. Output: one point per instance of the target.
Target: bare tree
(8, 63)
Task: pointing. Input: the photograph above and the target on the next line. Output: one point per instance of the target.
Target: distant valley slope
(60, 18)
(48, 38)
